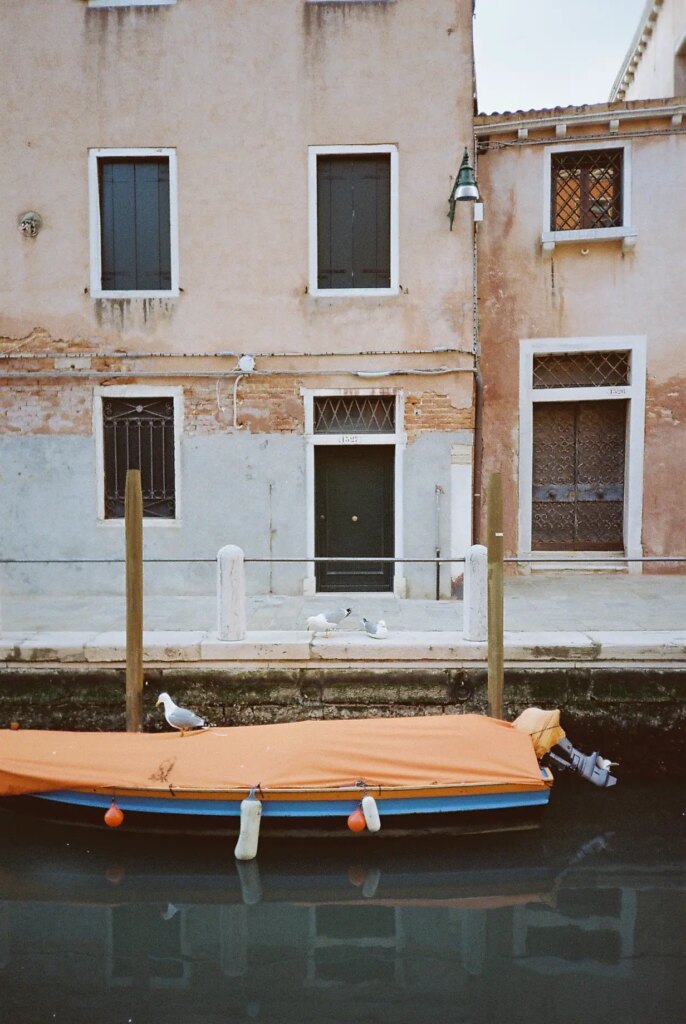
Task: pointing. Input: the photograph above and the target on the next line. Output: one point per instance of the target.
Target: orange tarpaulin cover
(439, 750)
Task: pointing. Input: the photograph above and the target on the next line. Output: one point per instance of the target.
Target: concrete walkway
(551, 617)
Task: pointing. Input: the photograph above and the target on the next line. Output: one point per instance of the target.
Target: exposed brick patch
(41, 407)
(264, 405)
(431, 411)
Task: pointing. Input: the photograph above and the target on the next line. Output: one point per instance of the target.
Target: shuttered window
(135, 224)
(354, 221)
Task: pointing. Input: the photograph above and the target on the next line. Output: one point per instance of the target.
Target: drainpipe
(478, 386)
(438, 491)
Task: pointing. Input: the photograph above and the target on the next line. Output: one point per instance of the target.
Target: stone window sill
(627, 235)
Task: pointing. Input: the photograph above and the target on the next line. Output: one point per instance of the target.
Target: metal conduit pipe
(119, 354)
(176, 374)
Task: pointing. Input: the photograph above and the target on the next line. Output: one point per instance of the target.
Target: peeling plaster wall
(260, 83)
(526, 293)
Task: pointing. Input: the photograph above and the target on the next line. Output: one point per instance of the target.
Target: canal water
(583, 922)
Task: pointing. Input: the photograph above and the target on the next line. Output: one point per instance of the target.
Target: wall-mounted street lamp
(464, 187)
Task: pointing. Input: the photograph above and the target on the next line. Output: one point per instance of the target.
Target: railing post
(475, 605)
(494, 536)
(133, 525)
(230, 593)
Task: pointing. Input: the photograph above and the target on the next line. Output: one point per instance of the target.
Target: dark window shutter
(354, 221)
(135, 225)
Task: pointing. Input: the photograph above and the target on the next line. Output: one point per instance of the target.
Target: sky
(545, 53)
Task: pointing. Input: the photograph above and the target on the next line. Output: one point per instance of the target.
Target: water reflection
(582, 922)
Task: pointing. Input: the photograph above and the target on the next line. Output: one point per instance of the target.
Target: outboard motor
(592, 767)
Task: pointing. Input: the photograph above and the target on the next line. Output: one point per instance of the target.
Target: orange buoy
(14, 725)
(356, 822)
(114, 816)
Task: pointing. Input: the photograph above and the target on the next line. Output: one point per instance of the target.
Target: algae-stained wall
(588, 289)
(238, 92)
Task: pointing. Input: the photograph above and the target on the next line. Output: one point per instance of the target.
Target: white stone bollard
(475, 608)
(230, 593)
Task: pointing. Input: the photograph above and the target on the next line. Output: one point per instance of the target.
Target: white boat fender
(371, 883)
(250, 882)
(371, 813)
(249, 835)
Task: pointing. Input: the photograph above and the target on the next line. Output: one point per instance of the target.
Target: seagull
(328, 620)
(377, 630)
(180, 718)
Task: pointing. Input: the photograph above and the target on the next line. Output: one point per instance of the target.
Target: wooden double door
(354, 516)
(579, 454)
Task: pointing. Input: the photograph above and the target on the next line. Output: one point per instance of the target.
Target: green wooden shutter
(354, 221)
(135, 225)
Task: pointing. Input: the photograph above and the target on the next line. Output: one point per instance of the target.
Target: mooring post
(133, 515)
(475, 605)
(494, 538)
(230, 593)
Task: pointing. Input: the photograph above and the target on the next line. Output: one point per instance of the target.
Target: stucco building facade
(581, 323)
(655, 63)
(226, 258)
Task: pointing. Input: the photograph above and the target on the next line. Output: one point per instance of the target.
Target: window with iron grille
(135, 236)
(351, 414)
(138, 433)
(354, 221)
(587, 189)
(581, 369)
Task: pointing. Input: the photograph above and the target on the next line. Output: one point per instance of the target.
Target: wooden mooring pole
(133, 514)
(494, 541)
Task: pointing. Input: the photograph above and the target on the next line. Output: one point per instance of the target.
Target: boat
(455, 773)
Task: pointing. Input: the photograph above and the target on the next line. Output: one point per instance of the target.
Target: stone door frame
(634, 393)
(398, 439)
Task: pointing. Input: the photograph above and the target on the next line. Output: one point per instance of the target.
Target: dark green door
(354, 516)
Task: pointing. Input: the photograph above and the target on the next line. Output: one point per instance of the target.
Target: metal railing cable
(542, 559)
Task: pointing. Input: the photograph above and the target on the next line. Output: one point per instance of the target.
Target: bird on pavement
(180, 718)
(327, 620)
(377, 630)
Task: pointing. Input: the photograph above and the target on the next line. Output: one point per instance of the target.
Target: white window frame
(96, 289)
(314, 152)
(398, 438)
(136, 391)
(130, 3)
(625, 231)
(634, 392)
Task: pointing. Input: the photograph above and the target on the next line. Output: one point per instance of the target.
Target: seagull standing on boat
(180, 718)
(326, 621)
(377, 630)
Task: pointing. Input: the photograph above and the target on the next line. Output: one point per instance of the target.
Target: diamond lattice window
(587, 189)
(581, 369)
(349, 414)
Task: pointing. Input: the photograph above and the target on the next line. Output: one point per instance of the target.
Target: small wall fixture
(464, 187)
(246, 364)
(29, 223)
